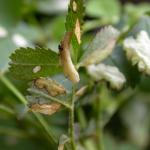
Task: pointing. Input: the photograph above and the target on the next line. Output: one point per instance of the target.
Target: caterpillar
(65, 58)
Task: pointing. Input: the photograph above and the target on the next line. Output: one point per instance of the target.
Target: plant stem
(71, 121)
(99, 132)
(22, 99)
(81, 118)
(99, 128)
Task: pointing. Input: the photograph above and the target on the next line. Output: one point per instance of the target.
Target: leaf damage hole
(74, 6)
(36, 69)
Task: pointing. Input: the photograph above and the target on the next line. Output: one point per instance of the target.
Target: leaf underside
(100, 47)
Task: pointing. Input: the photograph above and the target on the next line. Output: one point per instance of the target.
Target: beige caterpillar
(65, 57)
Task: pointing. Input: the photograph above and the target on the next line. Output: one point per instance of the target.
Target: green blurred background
(42, 23)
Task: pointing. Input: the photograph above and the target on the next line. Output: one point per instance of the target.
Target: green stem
(22, 99)
(81, 118)
(99, 128)
(101, 138)
(71, 121)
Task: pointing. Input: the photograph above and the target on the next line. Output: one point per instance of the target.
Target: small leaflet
(108, 73)
(62, 141)
(31, 63)
(138, 51)
(100, 47)
(81, 91)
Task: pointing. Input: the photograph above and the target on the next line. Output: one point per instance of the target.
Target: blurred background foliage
(126, 115)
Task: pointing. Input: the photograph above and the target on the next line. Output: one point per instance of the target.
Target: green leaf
(73, 23)
(130, 113)
(118, 58)
(99, 8)
(109, 73)
(142, 24)
(137, 50)
(100, 47)
(10, 12)
(62, 141)
(51, 6)
(134, 12)
(29, 63)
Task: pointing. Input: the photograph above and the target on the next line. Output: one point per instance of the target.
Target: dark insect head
(60, 47)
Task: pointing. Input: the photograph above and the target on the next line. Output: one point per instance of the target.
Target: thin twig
(71, 121)
(99, 128)
(98, 120)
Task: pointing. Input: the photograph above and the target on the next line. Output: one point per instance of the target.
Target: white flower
(108, 73)
(138, 51)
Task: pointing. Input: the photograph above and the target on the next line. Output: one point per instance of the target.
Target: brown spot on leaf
(52, 87)
(47, 109)
(74, 6)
